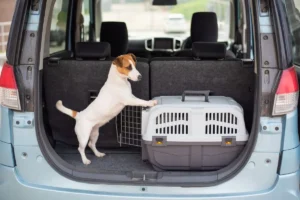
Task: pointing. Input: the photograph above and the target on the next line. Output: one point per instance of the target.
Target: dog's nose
(139, 77)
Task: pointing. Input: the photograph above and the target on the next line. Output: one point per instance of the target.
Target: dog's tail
(67, 111)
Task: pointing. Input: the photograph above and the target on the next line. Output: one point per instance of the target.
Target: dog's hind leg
(83, 132)
(93, 139)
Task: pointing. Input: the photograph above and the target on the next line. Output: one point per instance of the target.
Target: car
(175, 23)
(57, 36)
(226, 123)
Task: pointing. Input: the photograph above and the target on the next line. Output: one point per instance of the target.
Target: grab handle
(191, 92)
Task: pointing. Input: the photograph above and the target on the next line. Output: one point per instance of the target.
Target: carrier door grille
(129, 124)
(172, 123)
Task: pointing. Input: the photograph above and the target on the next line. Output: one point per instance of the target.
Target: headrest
(204, 27)
(209, 50)
(116, 34)
(92, 50)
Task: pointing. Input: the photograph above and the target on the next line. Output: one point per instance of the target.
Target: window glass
(58, 28)
(85, 21)
(293, 7)
(144, 20)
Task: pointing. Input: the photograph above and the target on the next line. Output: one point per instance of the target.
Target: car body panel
(290, 161)
(269, 140)
(12, 187)
(24, 133)
(7, 154)
(35, 169)
(5, 127)
(290, 140)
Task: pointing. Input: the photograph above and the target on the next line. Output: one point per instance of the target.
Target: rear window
(293, 14)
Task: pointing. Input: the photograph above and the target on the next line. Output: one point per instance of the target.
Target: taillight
(9, 94)
(286, 97)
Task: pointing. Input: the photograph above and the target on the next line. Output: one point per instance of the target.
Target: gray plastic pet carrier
(194, 132)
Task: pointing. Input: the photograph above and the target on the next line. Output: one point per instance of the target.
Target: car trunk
(78, 82)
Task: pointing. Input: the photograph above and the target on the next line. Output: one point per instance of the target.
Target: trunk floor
(120, 160)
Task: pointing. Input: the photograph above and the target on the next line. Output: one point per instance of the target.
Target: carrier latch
(159, 141)
(229, 141)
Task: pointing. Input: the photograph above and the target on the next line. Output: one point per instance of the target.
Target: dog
(113, 97)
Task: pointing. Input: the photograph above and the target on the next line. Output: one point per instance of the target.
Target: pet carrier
(194, 132)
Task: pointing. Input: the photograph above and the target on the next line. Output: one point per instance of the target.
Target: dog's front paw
(86, 162)
(100, 155)
(152, 103)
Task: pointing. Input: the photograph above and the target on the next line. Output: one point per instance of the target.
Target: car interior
(168, 64)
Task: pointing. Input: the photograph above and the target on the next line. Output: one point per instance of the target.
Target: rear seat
(206, 70)
(76, 81)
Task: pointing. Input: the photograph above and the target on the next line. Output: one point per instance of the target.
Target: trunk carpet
(120, 160)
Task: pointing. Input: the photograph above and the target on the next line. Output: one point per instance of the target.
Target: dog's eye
(129, 67)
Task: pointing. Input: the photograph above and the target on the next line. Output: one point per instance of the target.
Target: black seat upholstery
(207, 71)
(116, 34)
(208, 50)
(204, 28)
(93, 50)
(75, 82)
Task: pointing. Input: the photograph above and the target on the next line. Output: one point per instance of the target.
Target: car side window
(85, 21)
(58, 30)
(293, 14)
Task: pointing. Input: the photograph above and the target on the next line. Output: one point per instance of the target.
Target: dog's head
(126, 66)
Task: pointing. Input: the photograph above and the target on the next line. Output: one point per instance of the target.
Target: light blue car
(254, 59)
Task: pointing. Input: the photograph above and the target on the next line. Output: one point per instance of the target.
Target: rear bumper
(12, 188)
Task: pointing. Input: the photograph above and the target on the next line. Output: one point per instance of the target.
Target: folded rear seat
(206, 70)
(76, 82)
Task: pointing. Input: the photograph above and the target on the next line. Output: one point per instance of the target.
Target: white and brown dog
(113, 97)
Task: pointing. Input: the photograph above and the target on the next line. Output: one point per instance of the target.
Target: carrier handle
(191, 92)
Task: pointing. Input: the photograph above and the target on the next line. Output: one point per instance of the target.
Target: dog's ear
(133, 56)
(118, 61)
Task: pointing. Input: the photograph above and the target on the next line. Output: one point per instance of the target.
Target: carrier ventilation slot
(221, 117)
(228, 121)
(217, 129)
(172, 123)
(171, 117)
